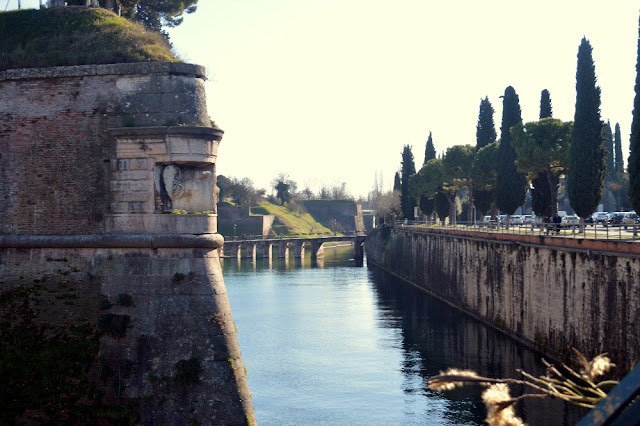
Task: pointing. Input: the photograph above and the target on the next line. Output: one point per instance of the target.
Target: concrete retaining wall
(550, 293)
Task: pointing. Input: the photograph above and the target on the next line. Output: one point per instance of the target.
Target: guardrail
(593, 231)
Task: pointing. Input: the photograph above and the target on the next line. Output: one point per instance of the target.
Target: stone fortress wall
(550, 293)
(95, 161)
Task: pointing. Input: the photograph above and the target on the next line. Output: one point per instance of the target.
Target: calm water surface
(331, 344)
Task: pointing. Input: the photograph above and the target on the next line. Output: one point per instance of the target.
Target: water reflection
(329, 343)
(436, 337)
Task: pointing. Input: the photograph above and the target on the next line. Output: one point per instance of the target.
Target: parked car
(527, 219)
(615, 219)
(502, 218)
(516, 219)
(630, 218)
(537, 220)
(600, 217)
(590, 220)
(569, 221)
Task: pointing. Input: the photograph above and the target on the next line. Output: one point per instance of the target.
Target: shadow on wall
(236, 221)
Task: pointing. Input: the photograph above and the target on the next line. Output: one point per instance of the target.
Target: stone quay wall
(550, 293)
(120, 303)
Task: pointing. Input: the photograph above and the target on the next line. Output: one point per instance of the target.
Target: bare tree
(388, 206)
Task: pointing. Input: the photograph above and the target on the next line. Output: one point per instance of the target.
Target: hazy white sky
(330, 91)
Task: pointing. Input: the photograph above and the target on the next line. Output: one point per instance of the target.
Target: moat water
(327, 343)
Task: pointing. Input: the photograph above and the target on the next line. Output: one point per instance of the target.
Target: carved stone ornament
(189, 188)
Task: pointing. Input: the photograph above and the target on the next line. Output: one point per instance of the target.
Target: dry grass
(76, 36)
(584, 387)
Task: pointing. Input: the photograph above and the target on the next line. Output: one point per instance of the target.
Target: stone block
(131, 164)
(131, 207)
(161, 223)
(133, 175)
(52, 72)
(130, 185)
(177, 145)
(133, 196)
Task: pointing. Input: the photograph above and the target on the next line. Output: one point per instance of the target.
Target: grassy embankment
(76, 36)
(290, 223)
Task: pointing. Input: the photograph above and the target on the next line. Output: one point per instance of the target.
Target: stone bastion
(108, 226)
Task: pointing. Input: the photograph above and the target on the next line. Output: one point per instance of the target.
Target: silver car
(600, 217)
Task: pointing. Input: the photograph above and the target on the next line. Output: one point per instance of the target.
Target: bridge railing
(593, 231)
(232, 238)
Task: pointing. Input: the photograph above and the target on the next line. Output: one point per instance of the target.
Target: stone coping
(207, 241)
(172, 68)
(574, 244)
(212, 132)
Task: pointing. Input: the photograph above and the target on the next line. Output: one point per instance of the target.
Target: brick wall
(54, 144)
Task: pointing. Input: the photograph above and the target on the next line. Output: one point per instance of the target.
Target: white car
(570, 220)
(527, 219)
(630, 218)
(600, 217)
(516, 219)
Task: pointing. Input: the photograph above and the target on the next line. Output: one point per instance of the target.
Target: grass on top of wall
(76, 36)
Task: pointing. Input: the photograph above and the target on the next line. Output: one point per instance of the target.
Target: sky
(330, 91)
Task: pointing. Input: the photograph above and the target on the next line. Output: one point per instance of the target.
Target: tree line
(529, 159)
(242, 191)
(153, 14)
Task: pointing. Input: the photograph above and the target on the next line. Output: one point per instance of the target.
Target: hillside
(76, 36)
(291, 222)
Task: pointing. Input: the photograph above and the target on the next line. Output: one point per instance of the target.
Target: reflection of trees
(436, 336)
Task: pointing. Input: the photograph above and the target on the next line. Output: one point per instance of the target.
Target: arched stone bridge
(250, 248)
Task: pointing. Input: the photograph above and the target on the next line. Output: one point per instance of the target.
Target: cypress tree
(617, 148)
(485, 134)
(407, 202)
(511, 185)
(541, 193)
(397, 186)
(486, 129)
(427, 204)
(608, 145)
(545, 105)
(587, 158)
(634, 142)
(429, 150)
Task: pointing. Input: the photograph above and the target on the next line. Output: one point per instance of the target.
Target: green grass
(292, 223)
(259, 211)
(76, 36)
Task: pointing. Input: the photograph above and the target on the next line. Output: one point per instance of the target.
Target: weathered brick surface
(55, 149)
(61, 174)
